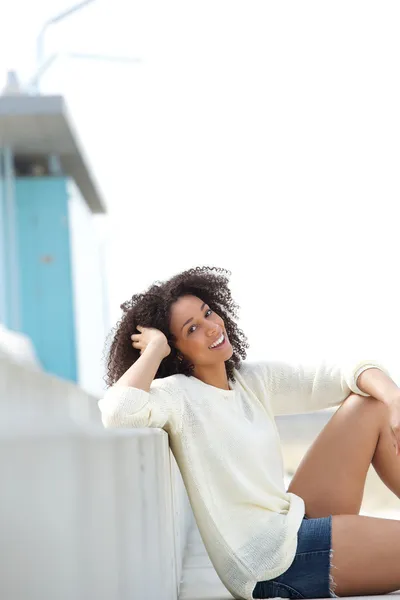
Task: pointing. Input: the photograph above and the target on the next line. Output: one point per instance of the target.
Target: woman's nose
(213, 328)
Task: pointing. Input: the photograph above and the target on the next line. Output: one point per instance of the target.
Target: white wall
(84, 512)
(91, 314)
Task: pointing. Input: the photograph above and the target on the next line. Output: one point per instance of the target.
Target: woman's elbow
(110, 420)
(110, 415)
(115, 420)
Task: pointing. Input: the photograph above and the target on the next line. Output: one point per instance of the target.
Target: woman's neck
(215, 375)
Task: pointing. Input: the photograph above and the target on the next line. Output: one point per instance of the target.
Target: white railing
(84, 512)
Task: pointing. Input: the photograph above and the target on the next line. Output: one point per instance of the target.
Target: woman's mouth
(219, 343)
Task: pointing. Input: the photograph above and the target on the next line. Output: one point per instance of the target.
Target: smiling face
(195, 328)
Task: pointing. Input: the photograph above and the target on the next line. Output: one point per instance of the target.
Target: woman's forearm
(377, 384)
(142, 372)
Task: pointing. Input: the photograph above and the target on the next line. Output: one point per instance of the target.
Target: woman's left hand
(394, 421)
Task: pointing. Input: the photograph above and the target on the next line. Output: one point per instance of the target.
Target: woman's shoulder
(256, 373)
(173, 383)
(250, 368)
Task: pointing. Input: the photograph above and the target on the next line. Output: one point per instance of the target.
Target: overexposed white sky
(263, 137)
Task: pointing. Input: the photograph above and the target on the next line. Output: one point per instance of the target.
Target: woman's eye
(190, 328)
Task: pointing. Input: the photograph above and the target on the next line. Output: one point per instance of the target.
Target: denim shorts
(309, 574)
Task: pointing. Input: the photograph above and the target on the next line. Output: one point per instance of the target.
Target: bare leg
(331, 476)
(366, 555)
(386, 463)
(331, 480)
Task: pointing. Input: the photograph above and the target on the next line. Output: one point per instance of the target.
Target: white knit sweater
(228, 450)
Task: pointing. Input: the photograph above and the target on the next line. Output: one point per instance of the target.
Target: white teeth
(221, 339)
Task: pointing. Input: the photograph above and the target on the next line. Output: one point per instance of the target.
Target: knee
(366, 405)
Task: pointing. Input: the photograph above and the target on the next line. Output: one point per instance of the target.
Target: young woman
(175, 362)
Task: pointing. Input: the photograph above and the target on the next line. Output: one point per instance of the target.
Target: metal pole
(3, 304)
(34, 82)
(11, 225)
(64, 14)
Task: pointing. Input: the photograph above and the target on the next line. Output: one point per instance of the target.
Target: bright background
(263, 137)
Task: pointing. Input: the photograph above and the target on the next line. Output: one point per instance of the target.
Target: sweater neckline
(230, 392)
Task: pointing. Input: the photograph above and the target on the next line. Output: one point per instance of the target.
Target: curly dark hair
(152, 309)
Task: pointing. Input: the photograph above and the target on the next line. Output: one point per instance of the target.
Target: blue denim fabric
(309, 574)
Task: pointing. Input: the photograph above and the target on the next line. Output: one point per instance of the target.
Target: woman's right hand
(150, 337)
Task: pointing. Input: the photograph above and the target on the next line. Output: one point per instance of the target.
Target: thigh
(331, 477)
(366, 555)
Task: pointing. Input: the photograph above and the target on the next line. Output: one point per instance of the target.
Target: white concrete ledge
(84, 512)
(28, 393)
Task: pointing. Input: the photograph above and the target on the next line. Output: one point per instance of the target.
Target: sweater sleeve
(292, 388)
(123, 406)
